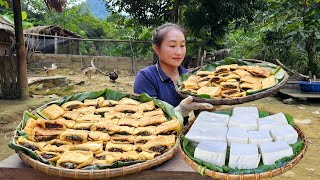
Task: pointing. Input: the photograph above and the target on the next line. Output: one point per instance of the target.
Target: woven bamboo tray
(258, 95)
(95, 174)
(98, 174)
(267, 174)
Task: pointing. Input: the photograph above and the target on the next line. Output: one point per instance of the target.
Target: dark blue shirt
(153, 81)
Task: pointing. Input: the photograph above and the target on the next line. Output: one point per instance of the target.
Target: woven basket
(98, 174)
(240, 100)
(267, 174)
(95, 174)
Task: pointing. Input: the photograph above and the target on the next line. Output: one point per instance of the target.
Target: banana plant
(25, 24)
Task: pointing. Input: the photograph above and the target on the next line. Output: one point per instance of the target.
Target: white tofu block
(211, 152)
(203, 132)
(267, 123)
(259, 137)
(244, 156)
(245, 122)
(273, 151)
(213, 118)
(284, 133)
(253, 111)
(237, 135)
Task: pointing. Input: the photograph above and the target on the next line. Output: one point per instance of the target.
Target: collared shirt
(153, 81)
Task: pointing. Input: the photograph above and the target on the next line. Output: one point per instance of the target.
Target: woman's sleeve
(144, 84)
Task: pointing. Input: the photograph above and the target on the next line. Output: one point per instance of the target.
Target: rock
(130, 84)
(122, 89)
(71, 84)
(80, 83)
(39, 87)
(316, 112)
(88, 84)
(54, 96)
(72, 73)
(300, 107)
(289, 174)
(289, 101)
(309, 169)
(303, 121)
(47, 90)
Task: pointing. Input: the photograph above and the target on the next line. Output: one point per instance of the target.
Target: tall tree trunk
(175, 11)
(21, 52)
(309, 43)
(311, 50)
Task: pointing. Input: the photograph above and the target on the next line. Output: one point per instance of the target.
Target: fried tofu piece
(53, 111)
(212, 91)
(70, 105)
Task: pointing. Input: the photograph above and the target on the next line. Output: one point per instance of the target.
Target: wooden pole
(55, 43)
(21, 52)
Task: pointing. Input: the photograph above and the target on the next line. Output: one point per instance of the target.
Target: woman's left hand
(187, 105)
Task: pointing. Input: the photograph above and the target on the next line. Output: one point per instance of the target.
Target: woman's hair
(161, 31)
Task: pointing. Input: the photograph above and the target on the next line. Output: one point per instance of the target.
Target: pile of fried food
(229, 81)
(100, 132)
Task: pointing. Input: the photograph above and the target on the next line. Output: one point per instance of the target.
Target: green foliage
(4, 3)
(292, 37)
(206, 20)
(144, 12)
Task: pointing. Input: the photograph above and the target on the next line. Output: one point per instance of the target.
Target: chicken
(113, 75)
(89, 71)
(50, 70)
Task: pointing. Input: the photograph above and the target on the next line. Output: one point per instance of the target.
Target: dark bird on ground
(113, 75)
(89, 71)
(50, 70)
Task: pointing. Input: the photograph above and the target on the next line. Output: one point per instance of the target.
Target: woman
(169, 43)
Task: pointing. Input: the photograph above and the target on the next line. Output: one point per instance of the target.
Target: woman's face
(173, 48)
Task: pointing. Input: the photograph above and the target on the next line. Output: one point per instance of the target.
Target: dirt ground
(306, 113)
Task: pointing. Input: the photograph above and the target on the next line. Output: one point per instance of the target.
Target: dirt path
(306, 114)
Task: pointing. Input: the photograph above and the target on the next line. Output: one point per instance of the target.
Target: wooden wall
(9, 85)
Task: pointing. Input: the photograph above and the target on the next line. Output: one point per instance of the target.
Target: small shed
(6, 37)
(52, 39)
(9, 86)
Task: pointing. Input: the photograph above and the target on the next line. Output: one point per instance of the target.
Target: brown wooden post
(21, 52)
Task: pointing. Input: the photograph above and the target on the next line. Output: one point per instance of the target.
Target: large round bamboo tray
(95, 174)
(259, 95)
(98, 174)
(267, 174)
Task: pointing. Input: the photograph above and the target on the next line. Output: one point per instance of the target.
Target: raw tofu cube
(211, 152)
(267, 123)
(203, 132)
(273, 151)
(245, 122)
(213, 118)
(253, 111)
(284, 133)
(244, 156)
(259, 137)
(237, 135)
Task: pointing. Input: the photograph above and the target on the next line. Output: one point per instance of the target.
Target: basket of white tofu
(243, 143)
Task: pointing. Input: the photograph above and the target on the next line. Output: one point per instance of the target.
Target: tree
(205, 19)
(144, 12)
(210, 19)
(292, 37)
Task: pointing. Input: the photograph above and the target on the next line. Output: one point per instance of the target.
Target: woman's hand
(187, 105)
